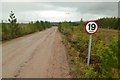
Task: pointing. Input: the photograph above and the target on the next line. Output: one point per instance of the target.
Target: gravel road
(37, 55)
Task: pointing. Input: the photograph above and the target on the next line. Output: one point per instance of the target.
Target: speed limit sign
(91, 27)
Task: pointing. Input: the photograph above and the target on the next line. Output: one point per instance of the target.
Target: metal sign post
(91, 27)
(89, 49)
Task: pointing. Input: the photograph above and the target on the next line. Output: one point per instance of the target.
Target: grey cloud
(24, 6)
(76, 10)
(59, 0)
(107, 8)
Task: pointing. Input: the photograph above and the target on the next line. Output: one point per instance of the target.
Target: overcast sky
(59, 11)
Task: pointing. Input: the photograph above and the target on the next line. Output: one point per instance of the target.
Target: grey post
(89, 49)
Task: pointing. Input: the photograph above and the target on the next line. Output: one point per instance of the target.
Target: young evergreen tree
(13, 25)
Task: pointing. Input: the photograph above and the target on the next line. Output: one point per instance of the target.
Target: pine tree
(13, 25)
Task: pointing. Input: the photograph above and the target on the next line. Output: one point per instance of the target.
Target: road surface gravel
(37, 55)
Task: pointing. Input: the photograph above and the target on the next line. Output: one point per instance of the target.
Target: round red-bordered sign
(91, 27)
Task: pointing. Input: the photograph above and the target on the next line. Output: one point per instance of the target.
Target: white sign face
(91, 27)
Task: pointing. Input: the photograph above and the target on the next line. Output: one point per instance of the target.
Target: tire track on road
(33, 53)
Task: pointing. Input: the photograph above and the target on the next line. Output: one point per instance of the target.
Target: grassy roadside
(104, 52)
(9, 33)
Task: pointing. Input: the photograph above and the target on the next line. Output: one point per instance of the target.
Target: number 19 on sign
(91, 27)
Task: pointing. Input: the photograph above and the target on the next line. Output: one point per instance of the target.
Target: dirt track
(37, 55)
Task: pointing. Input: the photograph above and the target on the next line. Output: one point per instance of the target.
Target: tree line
(13, 29)
(111, 23)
